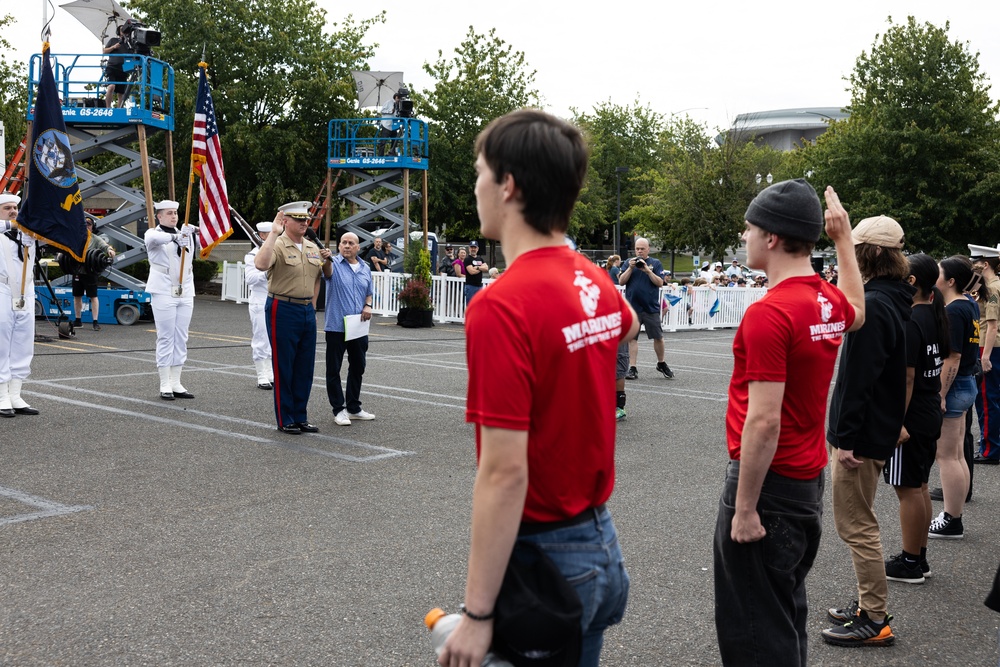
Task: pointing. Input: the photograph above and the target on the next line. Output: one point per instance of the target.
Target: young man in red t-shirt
(541, 347)
(770, 513)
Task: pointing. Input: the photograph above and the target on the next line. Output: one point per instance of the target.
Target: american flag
(206, 157)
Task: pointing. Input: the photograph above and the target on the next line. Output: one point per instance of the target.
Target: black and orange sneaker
(862, 631)
(844, 615)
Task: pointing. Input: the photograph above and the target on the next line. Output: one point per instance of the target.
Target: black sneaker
(633, 373)
(77, 322)
(663, 368)
(898, 568)
(97, 327)
(862, 631)
(844, 615)
(925, 568)
(946, 527)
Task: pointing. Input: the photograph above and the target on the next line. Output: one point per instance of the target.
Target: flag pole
(187, 205)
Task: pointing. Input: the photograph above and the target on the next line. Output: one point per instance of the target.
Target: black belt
(290, 299)
(546, 526)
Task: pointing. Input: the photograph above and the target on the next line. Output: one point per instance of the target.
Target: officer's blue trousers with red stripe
(988, 409)
(291, 329)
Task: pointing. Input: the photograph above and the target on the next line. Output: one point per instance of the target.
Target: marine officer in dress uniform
(17, 315)
(172, 295)
(293, 264)
(256, 280)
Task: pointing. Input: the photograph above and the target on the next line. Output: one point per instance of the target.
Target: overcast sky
(710, 59)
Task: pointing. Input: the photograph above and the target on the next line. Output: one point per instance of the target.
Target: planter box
(412, 318)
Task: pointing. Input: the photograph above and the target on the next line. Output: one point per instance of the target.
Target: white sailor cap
(166, 205)
(264, 227)
(7, 198)
(977, 251)
(296, 209)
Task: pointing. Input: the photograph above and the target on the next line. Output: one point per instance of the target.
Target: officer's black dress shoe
(306, 427)
(26, 411)
(183, 394)
(291, 429)
(265, 385)
(7, 412)
(985, 460)
(167, 395)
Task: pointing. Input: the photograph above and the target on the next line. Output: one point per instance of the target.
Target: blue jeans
(760, 587)
(471, 291)
(590, 558)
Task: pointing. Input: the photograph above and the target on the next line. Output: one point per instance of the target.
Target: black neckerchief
(172, 230)
(13, 236)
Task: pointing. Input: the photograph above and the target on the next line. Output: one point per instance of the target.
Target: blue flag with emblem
(714, 310)
(53, 208)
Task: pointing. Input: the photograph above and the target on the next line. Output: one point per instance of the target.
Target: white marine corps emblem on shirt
(825, 307)
(589, 293)
(827, 330)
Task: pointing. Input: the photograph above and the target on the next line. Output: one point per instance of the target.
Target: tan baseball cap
(881, 230)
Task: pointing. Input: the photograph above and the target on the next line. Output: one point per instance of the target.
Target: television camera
(138, 38)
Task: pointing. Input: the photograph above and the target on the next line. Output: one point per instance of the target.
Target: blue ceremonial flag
(714, 310)
(671, 299)
(53, 208)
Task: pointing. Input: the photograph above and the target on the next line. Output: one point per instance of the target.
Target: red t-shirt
(541, 347)
(792, 335)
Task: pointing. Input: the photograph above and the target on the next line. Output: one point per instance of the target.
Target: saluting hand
(278, 225)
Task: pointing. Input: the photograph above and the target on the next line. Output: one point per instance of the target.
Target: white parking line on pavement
(47, 508)
(378, 452)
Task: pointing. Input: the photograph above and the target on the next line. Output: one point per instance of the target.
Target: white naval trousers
(173, 317)
(17, 337)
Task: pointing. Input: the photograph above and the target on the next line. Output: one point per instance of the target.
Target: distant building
(783, 129)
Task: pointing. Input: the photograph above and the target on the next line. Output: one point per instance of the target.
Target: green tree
(921, 144)
(277, 74)
(484, 80)
(696, 199)
(618, 136)
(13, 92)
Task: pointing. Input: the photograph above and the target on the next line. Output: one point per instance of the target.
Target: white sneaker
(342, 419)
(362, 415)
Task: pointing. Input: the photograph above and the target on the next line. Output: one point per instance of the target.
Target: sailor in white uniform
(17, 315)
(260, 346)
(172, 296)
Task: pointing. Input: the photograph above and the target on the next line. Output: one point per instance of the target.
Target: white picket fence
(697, 308)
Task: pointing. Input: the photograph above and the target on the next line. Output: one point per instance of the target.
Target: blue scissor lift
(123, 131)
(373, 162)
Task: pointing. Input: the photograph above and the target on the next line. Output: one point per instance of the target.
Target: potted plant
(415, 306)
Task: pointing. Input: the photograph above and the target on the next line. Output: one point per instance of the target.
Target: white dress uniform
(260, 346)
(17, 322)
(172, 310)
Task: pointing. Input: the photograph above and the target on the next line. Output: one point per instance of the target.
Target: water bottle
(441, 625)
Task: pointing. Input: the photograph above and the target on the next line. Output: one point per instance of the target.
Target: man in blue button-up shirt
(348, 292)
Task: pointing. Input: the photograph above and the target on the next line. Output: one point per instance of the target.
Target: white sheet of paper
(354, 327)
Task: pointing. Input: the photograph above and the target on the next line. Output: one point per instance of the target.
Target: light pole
(618, 221)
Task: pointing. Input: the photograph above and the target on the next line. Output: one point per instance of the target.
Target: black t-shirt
(115, 62)
(381, 255)
(963, 326)
(923, 355)
(470, 278)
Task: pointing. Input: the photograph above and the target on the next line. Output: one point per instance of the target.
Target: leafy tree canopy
(921, 144)
(278, 75)
(485, 79)
(13, 91)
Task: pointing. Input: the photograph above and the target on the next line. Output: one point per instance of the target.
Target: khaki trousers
(857, 525)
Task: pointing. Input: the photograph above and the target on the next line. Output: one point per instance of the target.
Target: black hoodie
(869, 399)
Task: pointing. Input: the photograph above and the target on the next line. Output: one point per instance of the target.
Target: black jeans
(356, 350)
(760, 591)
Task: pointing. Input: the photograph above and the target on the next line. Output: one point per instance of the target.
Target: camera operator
(86, 281)
(642, 282)
(390, 111)
(114, 71)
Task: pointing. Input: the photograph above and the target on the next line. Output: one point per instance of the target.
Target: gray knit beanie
(790, 209)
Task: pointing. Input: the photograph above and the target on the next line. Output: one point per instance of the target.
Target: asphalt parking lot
(135, 531)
